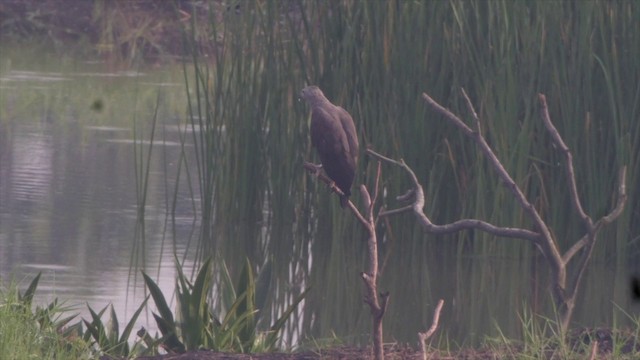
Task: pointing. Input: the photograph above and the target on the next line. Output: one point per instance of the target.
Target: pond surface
(68, 202)
(69, 209)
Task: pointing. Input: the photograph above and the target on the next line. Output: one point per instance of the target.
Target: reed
(375, 58)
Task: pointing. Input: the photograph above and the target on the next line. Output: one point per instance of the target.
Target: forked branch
(564, 293)
(377, 304)
(314, 170)
(464, 224)
(424, 336)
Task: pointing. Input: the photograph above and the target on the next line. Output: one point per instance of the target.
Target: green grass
(47, 332)
(542, 340)
(37, 334)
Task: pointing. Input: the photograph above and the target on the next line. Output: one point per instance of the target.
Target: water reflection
(36, 76)
(67, 194)
(30, 165)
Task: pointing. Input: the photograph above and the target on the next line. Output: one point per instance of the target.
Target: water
(68, 203)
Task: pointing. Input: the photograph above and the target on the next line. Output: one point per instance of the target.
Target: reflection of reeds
(375, 58)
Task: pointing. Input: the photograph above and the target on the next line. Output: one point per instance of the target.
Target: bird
(334, 136)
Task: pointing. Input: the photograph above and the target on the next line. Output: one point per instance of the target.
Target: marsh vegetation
(244, 140)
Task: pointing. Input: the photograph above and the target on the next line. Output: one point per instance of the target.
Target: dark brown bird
(334, 136)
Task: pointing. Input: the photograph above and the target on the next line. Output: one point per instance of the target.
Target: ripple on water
(31, 167)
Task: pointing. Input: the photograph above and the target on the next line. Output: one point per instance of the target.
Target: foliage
(119, 32)
(541, 339)
(23, 336)
(194, 325)
(44, 333)
(374, 58)
(107, 338)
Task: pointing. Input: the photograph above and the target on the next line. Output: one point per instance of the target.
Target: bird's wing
(350, 130)
(327, 133)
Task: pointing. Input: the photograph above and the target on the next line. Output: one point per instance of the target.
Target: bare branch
(355, 211)
(549, 246)
(474, 114)
(589, 240)
(366, 198)
(622, 199)
(574, 249)
(377, 305)
(568, 292)
(376, 187)
(384, 158)
(314, 170)
(368, 279)
(372, 242)
(371, 276)
(396, 211)
(542, 237)
(448, 114)
(406, 196)
(605, 220)
(465, 224)
(434, 325)
(545, 239)
(571, 176)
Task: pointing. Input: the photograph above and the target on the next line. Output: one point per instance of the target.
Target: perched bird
(334, 136)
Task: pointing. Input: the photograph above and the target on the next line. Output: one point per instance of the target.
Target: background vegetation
(247, 62)
(375, 58)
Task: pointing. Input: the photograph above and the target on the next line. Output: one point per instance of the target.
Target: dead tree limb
(464, 224)
(565, 292)
(377, 304)
(423, 336)
(314, 170)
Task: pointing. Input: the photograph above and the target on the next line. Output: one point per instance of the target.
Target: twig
(566, 293)
(396, 211)
(571, 176)
(377, 305)
(459, 225)
(474, 114)
(314, 170)
(434, 325)
(622, 199)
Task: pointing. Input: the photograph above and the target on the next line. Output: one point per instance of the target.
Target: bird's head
(311, 94)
